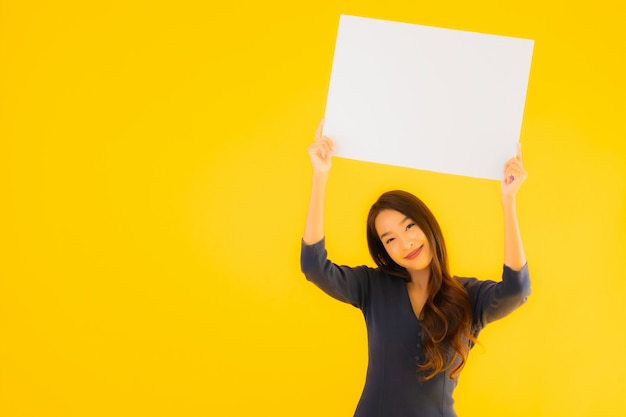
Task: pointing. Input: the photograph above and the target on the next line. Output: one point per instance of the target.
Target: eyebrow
(389, 232)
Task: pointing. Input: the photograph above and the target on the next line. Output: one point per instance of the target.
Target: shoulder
(474, 287)
(376, 277)
(470, 284)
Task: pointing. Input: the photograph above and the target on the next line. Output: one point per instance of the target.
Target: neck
(420, 279)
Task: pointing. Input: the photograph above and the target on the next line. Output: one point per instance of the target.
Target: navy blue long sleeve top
(394, 334)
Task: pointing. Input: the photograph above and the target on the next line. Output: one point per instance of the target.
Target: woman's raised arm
(514, 176)
(320, 153)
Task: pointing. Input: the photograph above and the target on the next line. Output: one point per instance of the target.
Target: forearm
(514, 256)
(314, 226)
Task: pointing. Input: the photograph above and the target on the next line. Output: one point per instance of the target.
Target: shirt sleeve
(492, 300)
(343, 283)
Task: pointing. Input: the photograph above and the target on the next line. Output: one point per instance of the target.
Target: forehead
(388, 219)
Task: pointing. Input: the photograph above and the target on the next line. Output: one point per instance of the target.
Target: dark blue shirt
(394, 334)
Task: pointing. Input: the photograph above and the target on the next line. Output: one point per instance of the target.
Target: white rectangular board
(428, 98)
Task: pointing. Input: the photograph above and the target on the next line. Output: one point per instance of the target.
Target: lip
(414, 254)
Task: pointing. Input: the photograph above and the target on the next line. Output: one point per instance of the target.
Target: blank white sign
(428, 98)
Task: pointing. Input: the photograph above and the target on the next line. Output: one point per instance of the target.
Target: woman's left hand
(514, 176)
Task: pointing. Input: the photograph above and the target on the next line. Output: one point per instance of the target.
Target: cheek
(390, 250)
(431, 252)
(418, 234)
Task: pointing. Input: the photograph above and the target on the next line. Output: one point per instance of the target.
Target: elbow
(308, 268)
(524, 294)
(311, 269)
(519, 283)
(524, 285)
(310, 276)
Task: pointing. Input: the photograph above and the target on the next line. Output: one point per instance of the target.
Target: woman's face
(404, 241)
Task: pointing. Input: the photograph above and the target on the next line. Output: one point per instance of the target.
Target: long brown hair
(446, 317)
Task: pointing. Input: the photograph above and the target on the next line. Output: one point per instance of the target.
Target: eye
(388, 241)
(410, 225)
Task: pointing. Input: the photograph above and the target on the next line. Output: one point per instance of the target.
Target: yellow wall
(154, 182)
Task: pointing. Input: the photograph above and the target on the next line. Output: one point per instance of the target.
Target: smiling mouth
(412, 255)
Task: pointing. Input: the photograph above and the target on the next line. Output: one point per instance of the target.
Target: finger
(514, 175)
(511, 166)
(331, 144)
(519, 151)
(318, 132)
(514, 162)
(318, 149)
(328, 146)
(327, 143)
(323, 151)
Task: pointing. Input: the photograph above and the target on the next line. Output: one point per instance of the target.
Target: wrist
(508, 201)
(320, 175)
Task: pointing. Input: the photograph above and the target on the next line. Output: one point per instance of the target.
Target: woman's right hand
(320, 151)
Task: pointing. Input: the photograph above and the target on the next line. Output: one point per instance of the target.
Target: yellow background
(154, 182)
